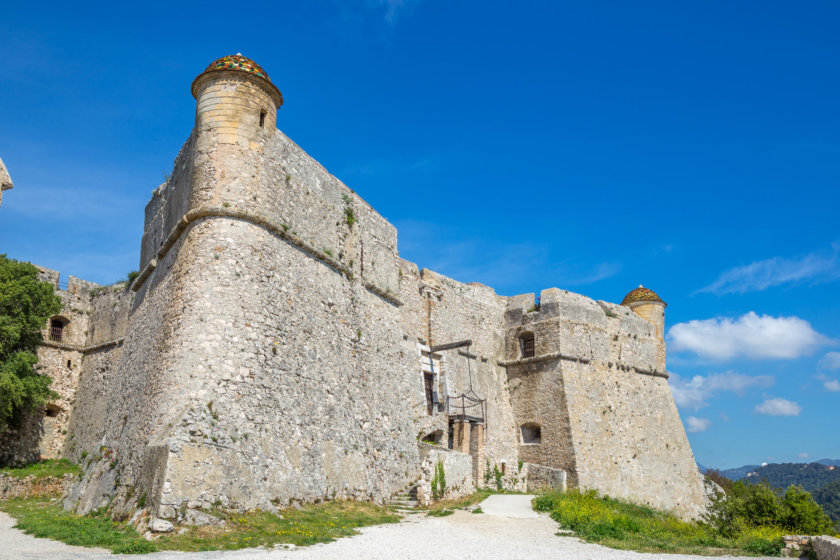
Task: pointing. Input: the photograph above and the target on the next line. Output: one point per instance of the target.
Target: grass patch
(462, 502)
(45, 519)
(632, 527)
(440, 512)
(43, 469)
(313, 524)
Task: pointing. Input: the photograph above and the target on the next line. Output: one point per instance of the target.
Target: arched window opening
(53, 410)
(262, 119)
(57, 325)
(526, 345)
(531, 433)
(69, 364)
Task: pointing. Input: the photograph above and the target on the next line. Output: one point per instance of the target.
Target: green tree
(800, 511)
(25, 305)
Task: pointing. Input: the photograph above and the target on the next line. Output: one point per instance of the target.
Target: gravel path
(511, 533)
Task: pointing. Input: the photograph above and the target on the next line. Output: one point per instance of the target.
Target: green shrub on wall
(439, 482)
(25, 305)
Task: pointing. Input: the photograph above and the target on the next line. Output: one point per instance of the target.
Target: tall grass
(633, 527)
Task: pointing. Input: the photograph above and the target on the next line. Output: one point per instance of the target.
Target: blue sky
(594, 146)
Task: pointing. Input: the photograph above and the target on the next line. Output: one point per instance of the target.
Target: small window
(262, 119)
(57, 329)
(531, 433)
(434, 438)
(69, 364)
(526, 345)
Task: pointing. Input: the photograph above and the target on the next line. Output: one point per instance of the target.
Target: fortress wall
(108, 321)
(538, 395)
(607, 414)
(458, 312)
(124, 405)
(629, 441)
(289, 377)
(169, 202)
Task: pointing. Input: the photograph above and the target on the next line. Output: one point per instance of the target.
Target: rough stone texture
(607, 415)
(157, 525)
(541, 478)
(457, 468)
(826, 548)
(28, 487)
(275, 349)
(5, 180)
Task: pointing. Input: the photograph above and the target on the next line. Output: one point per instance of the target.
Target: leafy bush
(25, 305)
(629, 526)
(758, 505)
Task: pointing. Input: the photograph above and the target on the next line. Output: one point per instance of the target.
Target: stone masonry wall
(458, 312)
(620, 432)
(457, 469)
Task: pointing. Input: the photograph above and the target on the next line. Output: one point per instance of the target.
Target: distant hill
(821, 479)
(809, 476)
(739, 472)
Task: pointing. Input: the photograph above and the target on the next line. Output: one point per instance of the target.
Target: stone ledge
(82, 349)
(561, 356)
(826, 548)
(275, 227)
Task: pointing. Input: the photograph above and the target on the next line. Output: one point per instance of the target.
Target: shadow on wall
(19, 446)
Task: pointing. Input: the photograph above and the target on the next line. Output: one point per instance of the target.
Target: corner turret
(5, 180)
(236, 102)
(649, 306)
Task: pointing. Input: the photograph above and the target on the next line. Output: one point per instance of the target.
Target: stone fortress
(275, 348)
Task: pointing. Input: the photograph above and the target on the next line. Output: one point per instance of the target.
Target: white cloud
(694, 393)
(696, 425)
(817, 267)
(750, 335)
(779, 407)
(832, 385)
(830, 361)
(803, 455)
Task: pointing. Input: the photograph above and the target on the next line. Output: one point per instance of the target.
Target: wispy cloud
(813, 268)
(395, 8)
(696, 425)
(750, 335)
(830, 361)
(803, 455)
(830, 384)
(695, 393)
(778, 407)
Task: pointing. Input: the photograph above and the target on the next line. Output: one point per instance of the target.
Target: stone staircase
(406, 500)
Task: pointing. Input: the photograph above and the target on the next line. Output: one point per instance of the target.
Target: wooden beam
(450, 346)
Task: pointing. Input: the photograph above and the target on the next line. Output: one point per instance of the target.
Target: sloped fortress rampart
(275, 348)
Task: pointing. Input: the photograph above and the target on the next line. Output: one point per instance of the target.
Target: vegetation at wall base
(627, 526)
(43, 469)
(313, 524)
(25, 305)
